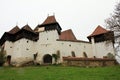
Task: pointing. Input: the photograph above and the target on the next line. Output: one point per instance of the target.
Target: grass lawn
(59, 73)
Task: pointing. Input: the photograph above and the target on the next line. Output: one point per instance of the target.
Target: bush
(55, 57)
(2, 57)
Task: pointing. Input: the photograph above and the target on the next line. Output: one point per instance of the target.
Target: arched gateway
(47, 58)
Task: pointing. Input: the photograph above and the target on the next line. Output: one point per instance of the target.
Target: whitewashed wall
(9, 46)
(22, 50)
(66, 47)
(117, 48)
(103, 48)
(48, 44)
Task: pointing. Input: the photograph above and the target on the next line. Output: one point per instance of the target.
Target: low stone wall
(92, 62)
(19, 62)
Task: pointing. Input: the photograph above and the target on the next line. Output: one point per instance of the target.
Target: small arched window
(27, 41)
(85, 55)
(9, 59)
(35, 56)
(58, 53)
(73, 54)
(70, 45)
(110, 55)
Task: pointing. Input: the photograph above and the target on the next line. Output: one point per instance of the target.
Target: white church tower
(49, 32)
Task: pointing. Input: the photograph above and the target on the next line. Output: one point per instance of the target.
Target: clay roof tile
(49, 20)
(99, 30)
(67, 35)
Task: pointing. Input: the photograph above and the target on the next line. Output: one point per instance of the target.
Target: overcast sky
(82, 16)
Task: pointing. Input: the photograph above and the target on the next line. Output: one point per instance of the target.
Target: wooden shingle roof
(27, 27)
(14, 30)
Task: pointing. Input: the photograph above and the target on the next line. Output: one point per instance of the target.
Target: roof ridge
(99, 30)
(67, 30)
(49, 20)
(14, 30)
(27, 27)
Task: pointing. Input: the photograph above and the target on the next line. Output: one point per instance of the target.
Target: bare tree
(113, 23)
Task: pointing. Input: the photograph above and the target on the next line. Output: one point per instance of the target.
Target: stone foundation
(91, 62)
(22, 62)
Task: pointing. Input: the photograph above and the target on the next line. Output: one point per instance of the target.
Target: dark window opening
(94, 56)
(70, 45)
(35, 56)
(47, 58)
(9, 59)
(85, 55)
(73, 54)
(27, 49)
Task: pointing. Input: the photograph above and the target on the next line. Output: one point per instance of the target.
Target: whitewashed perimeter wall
(103, 48)
(66, 47)
(20, 51)
(47, 44)
(9, 46)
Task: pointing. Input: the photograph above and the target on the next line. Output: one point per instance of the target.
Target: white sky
(82, 16)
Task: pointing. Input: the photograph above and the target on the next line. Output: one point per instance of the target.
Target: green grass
(59, 73)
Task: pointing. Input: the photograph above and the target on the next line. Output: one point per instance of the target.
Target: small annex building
(23, 45)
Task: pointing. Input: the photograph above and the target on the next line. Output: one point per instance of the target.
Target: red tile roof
(67, 35)
(49, 20)
(14, 30)
(99, 30)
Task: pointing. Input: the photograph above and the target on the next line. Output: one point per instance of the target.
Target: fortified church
(47, 39)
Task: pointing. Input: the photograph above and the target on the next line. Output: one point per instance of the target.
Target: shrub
(55, 57)
(2, 57)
